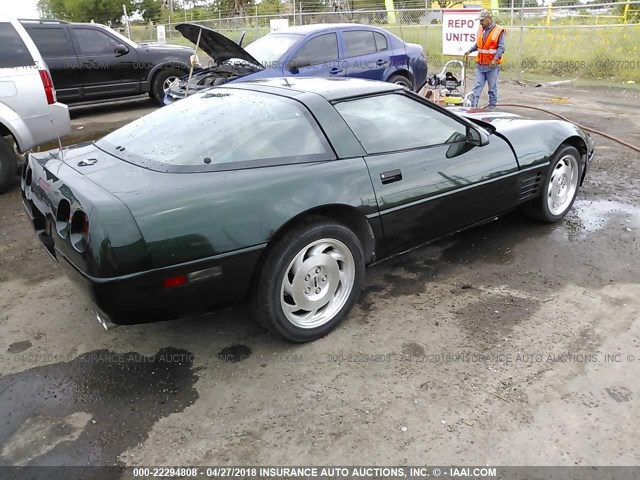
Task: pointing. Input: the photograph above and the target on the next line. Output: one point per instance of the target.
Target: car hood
(502, 122)
(214, 44)
(165, 48)
(488, 116)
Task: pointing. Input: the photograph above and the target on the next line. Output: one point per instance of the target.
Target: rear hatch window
(221, 129)
(13, 51)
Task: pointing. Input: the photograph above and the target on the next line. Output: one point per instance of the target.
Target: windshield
(220, 129)
(269, 49)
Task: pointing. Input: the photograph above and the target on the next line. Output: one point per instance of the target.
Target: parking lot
(514, 343)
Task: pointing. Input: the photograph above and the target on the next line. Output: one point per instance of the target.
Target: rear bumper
(36, 130)
(59, 114)
(142, 298)
(45, 128)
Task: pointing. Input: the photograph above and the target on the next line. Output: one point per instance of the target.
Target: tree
(100, 11)
(149, 9)
(270, 7)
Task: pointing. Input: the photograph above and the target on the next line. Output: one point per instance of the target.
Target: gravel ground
(513, 343)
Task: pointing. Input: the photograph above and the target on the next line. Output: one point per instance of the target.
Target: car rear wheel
(8, 165)
(310, 280)
(161, 82)
(400, 80)
(560, 189)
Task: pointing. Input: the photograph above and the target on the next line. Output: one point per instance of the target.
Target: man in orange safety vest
(490, 47)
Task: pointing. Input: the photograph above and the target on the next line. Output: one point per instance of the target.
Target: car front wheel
(161, 82)
(560, 189)
(310, 280)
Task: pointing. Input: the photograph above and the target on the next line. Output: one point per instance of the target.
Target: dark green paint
(146, 225)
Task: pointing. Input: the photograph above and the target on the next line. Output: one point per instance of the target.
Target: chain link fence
(590, 41)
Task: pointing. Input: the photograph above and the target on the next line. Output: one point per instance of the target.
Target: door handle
(334, 71)
(381, 62)
(391, 176)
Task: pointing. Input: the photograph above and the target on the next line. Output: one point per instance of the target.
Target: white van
(29, 112)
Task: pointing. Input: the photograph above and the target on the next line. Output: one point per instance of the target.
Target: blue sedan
(323, 50)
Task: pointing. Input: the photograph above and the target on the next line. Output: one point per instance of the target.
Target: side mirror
(121, 50)
(477, 137)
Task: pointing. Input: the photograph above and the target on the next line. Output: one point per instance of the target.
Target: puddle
(91, 409)
(590, 216)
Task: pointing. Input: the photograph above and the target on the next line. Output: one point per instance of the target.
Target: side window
(320, 49)
(359, 43)
(381, 41)
(13, 52)
(392, 122)
(94, 42)
(52, 42)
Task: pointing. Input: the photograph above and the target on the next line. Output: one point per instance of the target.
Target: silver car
(29, 112)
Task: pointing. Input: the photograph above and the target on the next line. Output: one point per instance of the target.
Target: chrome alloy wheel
(317, 283)
(562, 185)
(167, 83)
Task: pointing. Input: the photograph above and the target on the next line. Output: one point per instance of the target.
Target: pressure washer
(446, 88)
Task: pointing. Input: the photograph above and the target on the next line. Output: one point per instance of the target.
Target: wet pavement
(512, 343)
(90, 409)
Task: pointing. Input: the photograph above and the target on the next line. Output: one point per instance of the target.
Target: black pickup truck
(89, 61)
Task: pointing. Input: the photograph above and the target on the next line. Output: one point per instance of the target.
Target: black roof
(330, 88)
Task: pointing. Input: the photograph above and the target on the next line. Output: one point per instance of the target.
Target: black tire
(8, 165)
(401, 80)
(317, 240)
(540, 207)
(157, 84)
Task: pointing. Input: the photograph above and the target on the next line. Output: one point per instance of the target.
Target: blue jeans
(490, 76)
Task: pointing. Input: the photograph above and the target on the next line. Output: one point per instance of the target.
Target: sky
(19, 8)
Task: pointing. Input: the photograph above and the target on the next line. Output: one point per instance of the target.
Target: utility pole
(126, 19)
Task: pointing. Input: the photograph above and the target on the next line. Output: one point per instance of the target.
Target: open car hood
(217, 46)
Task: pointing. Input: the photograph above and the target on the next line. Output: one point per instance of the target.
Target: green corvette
(283, 191)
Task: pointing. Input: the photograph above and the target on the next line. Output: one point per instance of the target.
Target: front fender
(17, 127)
(535, 141)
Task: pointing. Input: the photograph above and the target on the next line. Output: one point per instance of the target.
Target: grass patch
(609, 53)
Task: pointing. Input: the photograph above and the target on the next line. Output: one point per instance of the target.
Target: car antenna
(61, 148)
(195, 53)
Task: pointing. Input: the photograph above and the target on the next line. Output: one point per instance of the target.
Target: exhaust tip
(104, 321)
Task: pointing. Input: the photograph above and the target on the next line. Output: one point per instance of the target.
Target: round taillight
(62, 218)
(79, 231)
